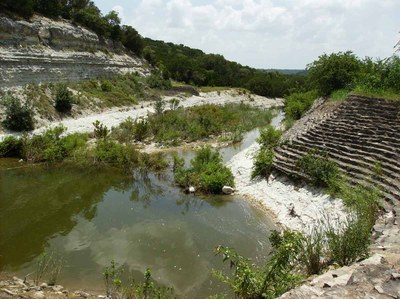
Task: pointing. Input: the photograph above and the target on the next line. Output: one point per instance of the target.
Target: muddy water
(90, 217)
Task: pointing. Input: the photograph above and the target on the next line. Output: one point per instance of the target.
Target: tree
(334, 71)
(64, 100)
(24, 8)
(114, 22)
(18, 117)
(132, 40)
(49, 8)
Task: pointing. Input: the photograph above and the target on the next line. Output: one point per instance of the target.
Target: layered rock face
(43, 50)
(361, 134)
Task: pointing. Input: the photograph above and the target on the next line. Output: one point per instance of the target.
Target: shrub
(298, 103)
(18, 117)
(64, 100)
(262, 163)
(10, 147)
(207, 172)
(269, 138)
(319, 169)
(51, 146)
(100, 131)
(106, 86)
(348, 241)
(269, 281)
(157, 81)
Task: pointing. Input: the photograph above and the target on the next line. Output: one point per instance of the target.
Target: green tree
(49, 8)
(24, 8)
(132, 40)
(18, 117)
(64, 100)
(334, 71)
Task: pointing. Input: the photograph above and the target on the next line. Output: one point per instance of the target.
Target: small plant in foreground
(18, 117)
(49, 265)
(116, 288)
(270, 281)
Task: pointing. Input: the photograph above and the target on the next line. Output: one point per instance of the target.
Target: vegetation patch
(262, 162)
(18, 116)
(174, 126)
(207, 172)
(53, 147)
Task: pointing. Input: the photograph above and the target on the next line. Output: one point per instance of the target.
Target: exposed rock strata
(43, 50)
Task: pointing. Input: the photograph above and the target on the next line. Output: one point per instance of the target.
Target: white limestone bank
(292, 207)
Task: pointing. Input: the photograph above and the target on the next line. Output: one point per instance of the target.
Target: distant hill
(287, 71)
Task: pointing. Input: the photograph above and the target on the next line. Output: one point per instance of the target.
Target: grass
(341, 94)
(52, 147)
(172, 127)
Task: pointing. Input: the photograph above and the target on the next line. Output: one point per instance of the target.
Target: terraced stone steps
(362, 135)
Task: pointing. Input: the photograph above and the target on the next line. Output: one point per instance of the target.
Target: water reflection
(141, 220)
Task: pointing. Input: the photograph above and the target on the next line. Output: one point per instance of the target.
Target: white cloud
(271, 33)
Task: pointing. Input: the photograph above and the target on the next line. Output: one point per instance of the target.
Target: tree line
(193, 66)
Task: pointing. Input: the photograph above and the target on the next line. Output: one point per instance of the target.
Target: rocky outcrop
(43, 50)
(361, 134)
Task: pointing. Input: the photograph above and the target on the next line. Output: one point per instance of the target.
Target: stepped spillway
(358, 134)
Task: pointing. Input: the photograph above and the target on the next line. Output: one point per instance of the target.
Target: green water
(91, 217)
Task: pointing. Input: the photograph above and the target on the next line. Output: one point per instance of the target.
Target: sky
(267, 33)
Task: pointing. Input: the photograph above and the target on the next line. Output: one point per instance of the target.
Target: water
(91, 217)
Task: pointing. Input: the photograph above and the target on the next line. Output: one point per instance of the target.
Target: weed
(50, 265)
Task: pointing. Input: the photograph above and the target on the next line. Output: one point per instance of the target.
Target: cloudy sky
(267, 33)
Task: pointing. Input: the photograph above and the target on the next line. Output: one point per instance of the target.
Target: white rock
(38, 295)
(227, 190)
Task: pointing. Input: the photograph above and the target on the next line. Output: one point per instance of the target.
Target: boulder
(227, 190)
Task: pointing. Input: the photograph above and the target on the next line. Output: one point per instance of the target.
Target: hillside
(46, 50)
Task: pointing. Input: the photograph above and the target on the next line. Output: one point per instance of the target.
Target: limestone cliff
(42, 49)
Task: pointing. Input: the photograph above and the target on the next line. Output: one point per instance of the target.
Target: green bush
(10, 147)
(269, 281)
(64, 100)
(100, 131)
(207, 172)
(157, 81)
(348, 241)
(106, 86)
(319, 169)
(298, 103)
(335, 71)
(269, 138)
(18, 117)
(51, 146)
(262, 163)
